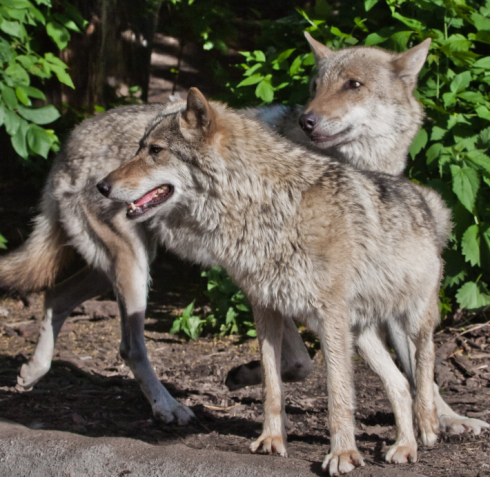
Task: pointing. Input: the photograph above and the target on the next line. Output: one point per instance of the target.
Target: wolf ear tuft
(320, 51)
(408, 64)
(199, 114)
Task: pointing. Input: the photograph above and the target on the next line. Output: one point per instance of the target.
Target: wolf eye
(352, 84)
(313, 87)
(154, 149)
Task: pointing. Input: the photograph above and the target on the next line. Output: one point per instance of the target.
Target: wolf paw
(343, 462)
(459, 424)
(273, 445)
(30, 374)
(398, 454)
(176, 411)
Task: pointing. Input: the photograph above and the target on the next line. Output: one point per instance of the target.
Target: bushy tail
(440, 212)
(35, 264)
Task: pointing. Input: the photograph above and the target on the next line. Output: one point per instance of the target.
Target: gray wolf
(118, 253)
(363, 112)
(342, 250)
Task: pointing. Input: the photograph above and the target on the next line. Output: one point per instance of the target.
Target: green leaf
(13, 28)
(43, 115)
(472, 96)
(9, 97)
(401, 39)
(433, 152)
(18, 74)
(482, 63)
(12, 121)
(58, 33)
(66, 22)
(62, 75)
(466, 183)
(470, 245)
(22, 96)
(175, 326)
(32, 92)
(473, 296)
(259, 56)
(265, 91)
(254, 79)
(19, 140)
(15, 4)
(375, 39)
(39, 140)
(449, 99)
(418, 143)
(479, 158)
(460, 82)
(251, 333)
(3, 241)
(368, 4)
(285, 55)
(437, 133)
(483, 112)
(295, 66)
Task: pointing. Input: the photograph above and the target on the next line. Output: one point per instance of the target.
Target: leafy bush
(20, 62)
(450, 152)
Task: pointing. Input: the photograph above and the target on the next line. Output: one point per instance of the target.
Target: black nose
(308, 121)
(104, 188)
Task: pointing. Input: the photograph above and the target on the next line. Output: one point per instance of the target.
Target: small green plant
(230, 314)
(188, 324)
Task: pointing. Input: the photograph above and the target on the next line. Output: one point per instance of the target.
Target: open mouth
(150, 199)
(326, 138)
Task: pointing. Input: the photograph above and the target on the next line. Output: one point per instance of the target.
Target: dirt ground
(90, 391)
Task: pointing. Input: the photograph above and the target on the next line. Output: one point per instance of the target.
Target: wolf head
(363, 104)
(159, 175)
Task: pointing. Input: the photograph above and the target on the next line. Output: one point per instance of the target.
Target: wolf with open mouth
(344, 251)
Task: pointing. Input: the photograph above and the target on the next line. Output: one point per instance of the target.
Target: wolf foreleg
(131, 278)
(336, 341)
(269, 325)
(59, 302)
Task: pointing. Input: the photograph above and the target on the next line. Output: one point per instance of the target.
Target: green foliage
(451, 151)
(3, 242)
(231, 312)
(22, 25)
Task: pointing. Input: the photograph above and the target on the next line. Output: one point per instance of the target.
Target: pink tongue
(146, 198)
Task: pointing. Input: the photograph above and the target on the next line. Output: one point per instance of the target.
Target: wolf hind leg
(269, 332)
(448, 419)
(424, 402)
(59, 302)
(372, 349)
(296, 364)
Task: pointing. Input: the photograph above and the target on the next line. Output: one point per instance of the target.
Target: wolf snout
(104, 188)
(308, 122)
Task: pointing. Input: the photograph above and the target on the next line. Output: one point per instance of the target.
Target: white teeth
(133, 207)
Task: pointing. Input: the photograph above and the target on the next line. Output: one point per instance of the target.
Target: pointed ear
(408, 64)
(199, 115)
(319, 50)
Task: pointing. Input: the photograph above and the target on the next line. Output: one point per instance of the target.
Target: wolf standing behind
(342, 250)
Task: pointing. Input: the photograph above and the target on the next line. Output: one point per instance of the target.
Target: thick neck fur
(241, 210)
